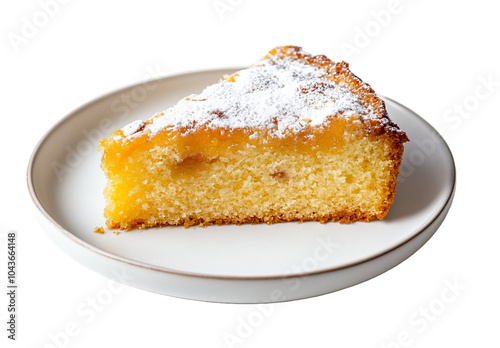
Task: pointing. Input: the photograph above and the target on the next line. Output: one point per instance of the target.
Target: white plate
(238, 264)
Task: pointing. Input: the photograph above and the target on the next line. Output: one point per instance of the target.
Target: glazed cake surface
(294, 137)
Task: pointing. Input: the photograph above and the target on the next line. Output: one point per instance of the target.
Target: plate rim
(161, 269)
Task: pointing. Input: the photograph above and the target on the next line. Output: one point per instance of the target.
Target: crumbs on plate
(99, 230)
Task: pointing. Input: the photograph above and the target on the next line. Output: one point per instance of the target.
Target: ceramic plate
(237, 264)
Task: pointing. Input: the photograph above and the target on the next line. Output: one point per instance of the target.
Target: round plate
(237, 264)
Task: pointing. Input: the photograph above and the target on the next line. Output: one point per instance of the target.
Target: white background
(433, 57)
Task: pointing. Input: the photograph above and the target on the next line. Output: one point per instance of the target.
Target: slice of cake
(294, 137)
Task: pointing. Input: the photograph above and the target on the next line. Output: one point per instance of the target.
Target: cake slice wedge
(294, 137)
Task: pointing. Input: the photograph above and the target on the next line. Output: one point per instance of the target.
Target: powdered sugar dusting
(281, 95)
(132, 128)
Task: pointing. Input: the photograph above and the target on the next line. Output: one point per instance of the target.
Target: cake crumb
(99, 229)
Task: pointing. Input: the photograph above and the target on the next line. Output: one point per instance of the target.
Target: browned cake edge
(339, 73)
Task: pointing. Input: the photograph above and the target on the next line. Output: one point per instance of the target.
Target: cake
(294, 137)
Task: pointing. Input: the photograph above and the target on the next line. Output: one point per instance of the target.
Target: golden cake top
(285, 92)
